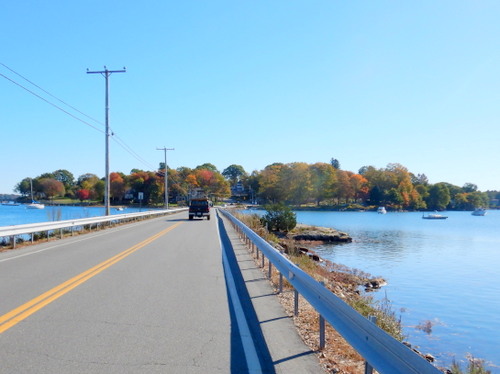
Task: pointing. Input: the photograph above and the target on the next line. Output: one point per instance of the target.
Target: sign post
(140, 196)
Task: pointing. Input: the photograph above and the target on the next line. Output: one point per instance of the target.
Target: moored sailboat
(34, 204)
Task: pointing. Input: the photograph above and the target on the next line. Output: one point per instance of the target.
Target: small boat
(433, 216)
(120, 209)
(34, 204)
(479, 212)
(381, 210)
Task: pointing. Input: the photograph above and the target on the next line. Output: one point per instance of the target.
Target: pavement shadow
(239, 360)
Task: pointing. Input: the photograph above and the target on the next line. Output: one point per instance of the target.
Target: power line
(120, 142)
(48, 93)
(54, 105)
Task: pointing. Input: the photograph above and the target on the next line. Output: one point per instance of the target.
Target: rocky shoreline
(306, 233)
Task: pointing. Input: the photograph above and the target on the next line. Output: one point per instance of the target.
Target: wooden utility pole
(165, 149)
(106, 73)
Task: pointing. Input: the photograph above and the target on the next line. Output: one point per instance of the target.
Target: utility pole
(165, 149)
(106, 73)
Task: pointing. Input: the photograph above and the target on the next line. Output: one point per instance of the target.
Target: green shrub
(279, 217)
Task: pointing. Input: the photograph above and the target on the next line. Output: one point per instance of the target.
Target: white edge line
(251, 356)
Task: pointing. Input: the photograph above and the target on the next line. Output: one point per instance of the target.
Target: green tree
(323, 179)
(394, 198)
(67, 179)
(207, 166)
(375, 196)
(439, 196)
(24, 187)
(469, 187)
(234, 173)
(335, 163)
(279, 217)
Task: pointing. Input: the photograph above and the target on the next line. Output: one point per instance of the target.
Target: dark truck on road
(199, 208)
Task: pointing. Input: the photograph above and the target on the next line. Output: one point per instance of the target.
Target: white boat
(381, 210)
(34, 204)
(479, 212)
(433, 216)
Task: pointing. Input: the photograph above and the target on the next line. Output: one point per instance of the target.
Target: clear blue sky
(253, 83)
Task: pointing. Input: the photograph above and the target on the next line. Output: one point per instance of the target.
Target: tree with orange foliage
(51, 187)
(360, 187)
(117, 186)
(344, 188)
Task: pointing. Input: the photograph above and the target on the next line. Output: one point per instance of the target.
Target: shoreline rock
(307, 233)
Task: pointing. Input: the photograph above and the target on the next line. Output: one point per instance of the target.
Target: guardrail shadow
(239, 351)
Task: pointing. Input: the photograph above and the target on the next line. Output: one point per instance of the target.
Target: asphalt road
(165, 295)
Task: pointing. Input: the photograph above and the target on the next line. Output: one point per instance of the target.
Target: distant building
(239, 192)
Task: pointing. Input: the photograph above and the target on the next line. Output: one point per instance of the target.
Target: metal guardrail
(380, 350)
(32, 228)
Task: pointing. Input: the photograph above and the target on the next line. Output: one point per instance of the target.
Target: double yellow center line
(24, 311)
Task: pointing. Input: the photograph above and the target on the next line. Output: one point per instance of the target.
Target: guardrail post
(281, 283)
(321, 328)
(13, 240)
(295, 303)
(263, 258)
(321, 332)
(368, 367)
(258, 253)
(269, 272)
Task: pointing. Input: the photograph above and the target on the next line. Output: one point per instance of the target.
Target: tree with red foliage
(83, 194)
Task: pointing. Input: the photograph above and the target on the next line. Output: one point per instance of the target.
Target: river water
(440, 273)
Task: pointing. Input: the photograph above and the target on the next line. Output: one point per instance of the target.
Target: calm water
(443, 271)
(18, 215)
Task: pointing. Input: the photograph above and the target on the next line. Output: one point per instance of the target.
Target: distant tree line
(393, 186)
(294, 183)
(125, 188)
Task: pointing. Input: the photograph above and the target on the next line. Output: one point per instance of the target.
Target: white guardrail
(31, 228)
(380, 350)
